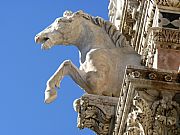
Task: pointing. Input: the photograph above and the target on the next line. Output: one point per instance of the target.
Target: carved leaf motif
(170, 3)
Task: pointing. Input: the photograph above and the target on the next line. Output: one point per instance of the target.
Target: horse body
(103, 51)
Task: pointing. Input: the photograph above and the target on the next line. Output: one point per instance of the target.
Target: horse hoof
(50, 96)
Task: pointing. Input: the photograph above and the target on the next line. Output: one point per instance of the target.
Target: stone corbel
(96, 113)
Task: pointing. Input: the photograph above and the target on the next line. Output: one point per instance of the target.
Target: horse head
(78, 28)
(64, 30)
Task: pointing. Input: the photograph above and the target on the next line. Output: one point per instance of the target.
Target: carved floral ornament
(157, 119)
(163, 38)
(152, 76)
(91, 116)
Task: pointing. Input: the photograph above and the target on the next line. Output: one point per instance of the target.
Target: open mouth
(46, 44)
(44, 40)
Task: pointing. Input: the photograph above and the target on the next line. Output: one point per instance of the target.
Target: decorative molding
(166, 35)
(169, 3)
(131, 17)
(153, 74)
(163, 38)
(123, 108)
(169, 20)
(96, 113)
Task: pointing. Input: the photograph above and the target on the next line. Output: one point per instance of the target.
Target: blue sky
(25, 68)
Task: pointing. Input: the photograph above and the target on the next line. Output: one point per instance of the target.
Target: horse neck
(93, 37)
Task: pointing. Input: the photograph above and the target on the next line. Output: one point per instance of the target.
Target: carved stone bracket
(96, 112)
(148, 103)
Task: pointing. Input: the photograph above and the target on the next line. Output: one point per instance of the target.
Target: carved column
(97, 113)
(149, 103)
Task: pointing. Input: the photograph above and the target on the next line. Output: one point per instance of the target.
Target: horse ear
(80, 12)
(67, 13)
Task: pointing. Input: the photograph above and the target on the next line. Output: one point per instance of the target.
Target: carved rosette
(96, 113)
(149, 103)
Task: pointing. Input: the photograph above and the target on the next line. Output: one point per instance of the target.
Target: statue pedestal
(96, 112)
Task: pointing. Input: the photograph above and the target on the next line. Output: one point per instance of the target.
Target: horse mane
(116, 36)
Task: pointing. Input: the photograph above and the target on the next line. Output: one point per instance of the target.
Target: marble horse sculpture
(104, 54)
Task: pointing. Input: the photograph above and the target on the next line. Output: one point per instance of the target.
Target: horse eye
(58, 20)
(66, 20)
(70, 20)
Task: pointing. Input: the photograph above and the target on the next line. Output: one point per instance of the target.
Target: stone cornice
(153, 74)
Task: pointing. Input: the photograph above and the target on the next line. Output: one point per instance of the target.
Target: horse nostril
(36, 38)
(39, 39)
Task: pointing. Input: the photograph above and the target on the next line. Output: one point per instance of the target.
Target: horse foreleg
(66, 68)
